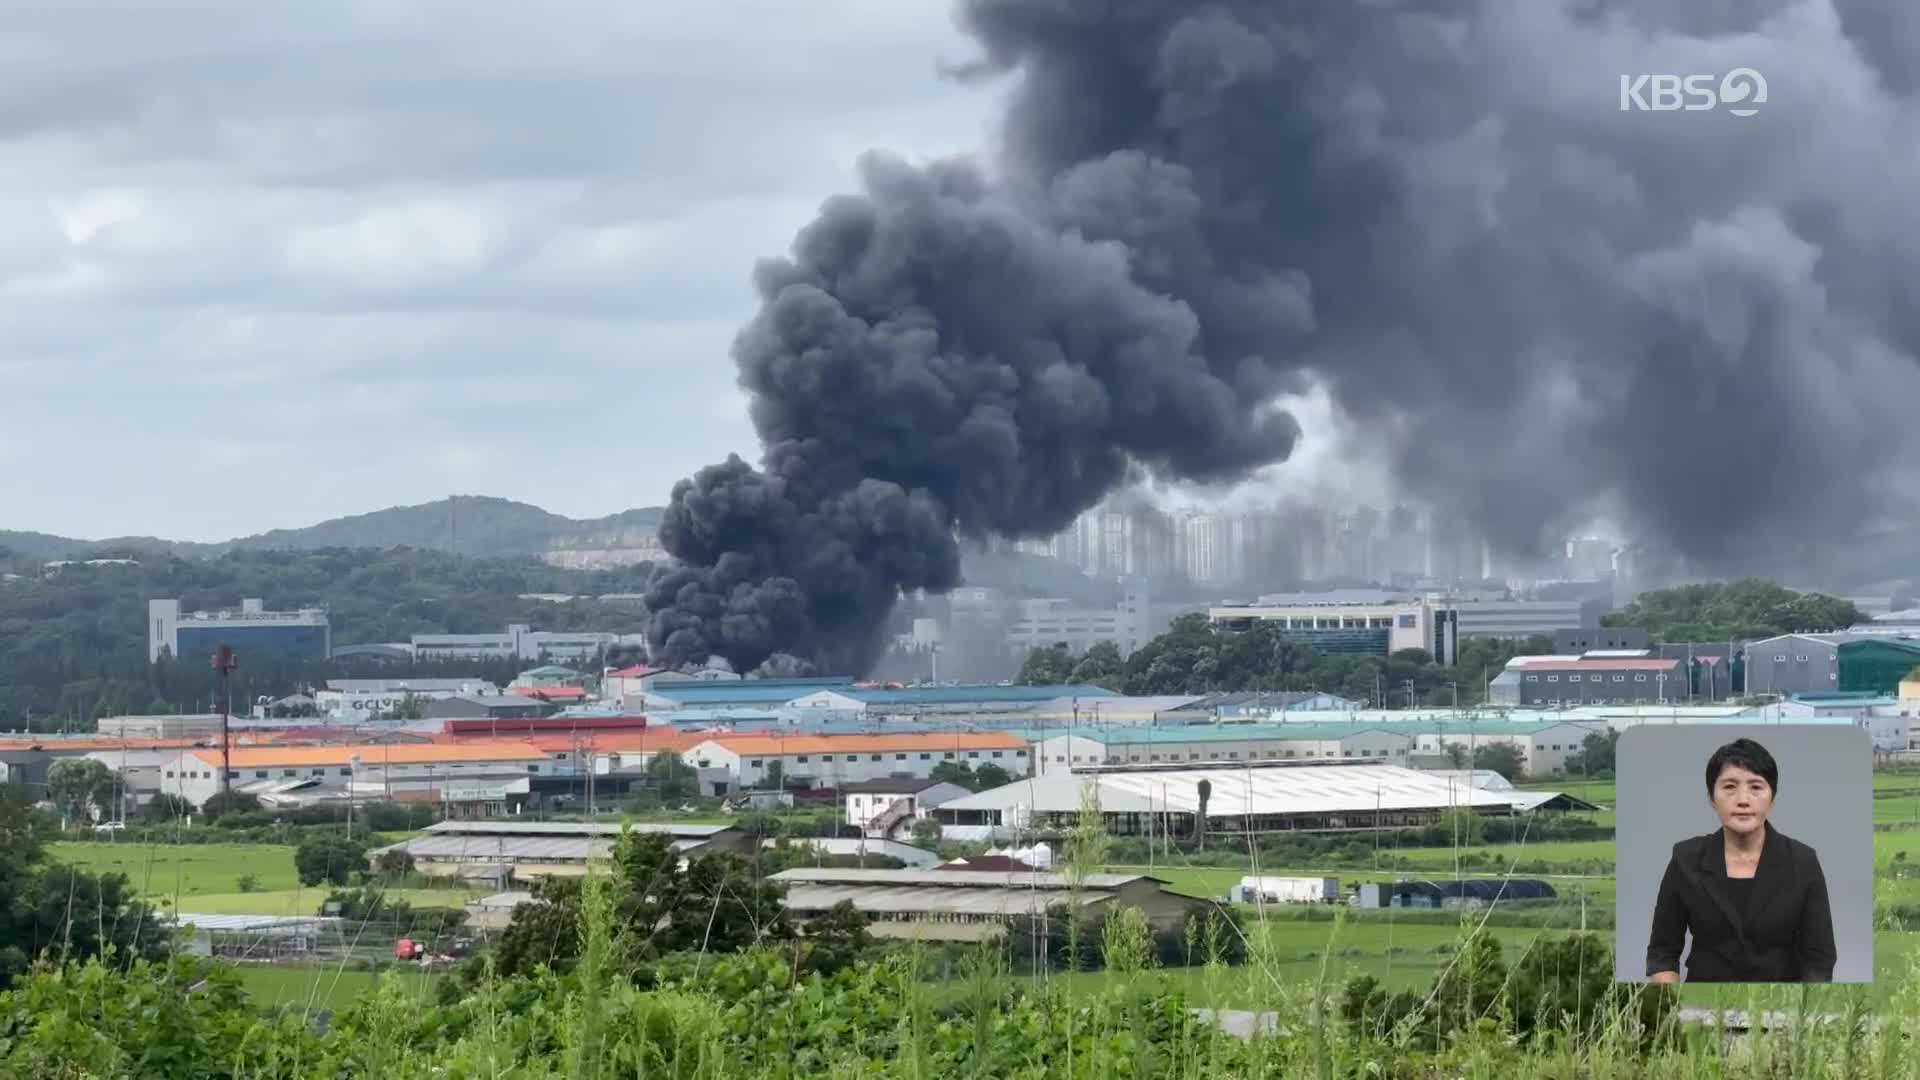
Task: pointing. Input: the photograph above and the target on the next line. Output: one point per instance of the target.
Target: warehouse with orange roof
(834, 760)
(366, 770)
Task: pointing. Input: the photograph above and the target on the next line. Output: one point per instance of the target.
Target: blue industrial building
(251, 631)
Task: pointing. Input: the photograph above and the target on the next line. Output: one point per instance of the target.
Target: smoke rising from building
(1438, 213)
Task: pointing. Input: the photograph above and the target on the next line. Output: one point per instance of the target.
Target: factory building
(1851, 660)
(251, 631)
(1260, 798)
(1505, 619)
(370, 770)
(838, 760)
(1554, 681)
(882, 807)
(519, 642)
(1388, 738)
(977, 905)
(1877, 665)
(360, 699)
(500, 852)
(1352, 622)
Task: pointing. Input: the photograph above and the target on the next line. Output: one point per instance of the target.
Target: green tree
(166, 806)
(775, 776)
(956, 772)
(80, 786)
(46, 908)
(926, 833)
(1746, 609)
(1051, 666)
(543, 932)
(671, 777)
(1503, 758)
(836, 939)
(393, 864)
(989, 776)
(1595, 756)
(231, 802)
(328, 859)
(1102, 665)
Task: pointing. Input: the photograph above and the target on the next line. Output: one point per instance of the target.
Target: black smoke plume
(1529, 300)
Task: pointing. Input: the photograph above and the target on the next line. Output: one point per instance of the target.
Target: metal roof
(1306, 731)
(505, 848)
(502, 900)
(894, 900)
(982, 879)
(252, 922)
(966, 695)
(573, 828)
(1266, 789)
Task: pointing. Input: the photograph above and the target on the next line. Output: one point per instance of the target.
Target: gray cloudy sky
(334, 257)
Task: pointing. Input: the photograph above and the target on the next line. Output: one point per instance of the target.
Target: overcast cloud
(266, 264)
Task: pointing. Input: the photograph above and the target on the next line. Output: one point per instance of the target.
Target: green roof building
(1877, 665)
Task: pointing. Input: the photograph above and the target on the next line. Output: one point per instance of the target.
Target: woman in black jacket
(1754, 899)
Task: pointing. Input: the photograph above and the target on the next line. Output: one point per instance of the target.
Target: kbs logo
(1741, 92)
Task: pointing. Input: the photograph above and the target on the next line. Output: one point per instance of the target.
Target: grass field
(186, 869)
(204, 878)
(324, 988)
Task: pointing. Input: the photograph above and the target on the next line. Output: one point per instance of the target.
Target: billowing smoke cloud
(1533, 300)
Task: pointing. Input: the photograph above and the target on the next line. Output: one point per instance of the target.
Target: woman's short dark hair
(1743, 754)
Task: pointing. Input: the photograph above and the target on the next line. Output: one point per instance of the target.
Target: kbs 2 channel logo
(1741, 92)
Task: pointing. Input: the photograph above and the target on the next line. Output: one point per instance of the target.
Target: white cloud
(338, 247)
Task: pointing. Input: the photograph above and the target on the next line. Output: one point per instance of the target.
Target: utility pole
(223, 665)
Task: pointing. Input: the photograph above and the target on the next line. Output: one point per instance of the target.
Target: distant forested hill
(73, 640)
(478, 525)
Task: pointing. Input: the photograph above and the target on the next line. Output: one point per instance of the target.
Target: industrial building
(251, 631)
(1877, 665)
(838, 760)
(1849, 660)
(956, 701)
(882, 807)
(488, 707)
(1506, 619)
(668, 696)
(976, 905)
(1553, 681)
(367, 771)
(1472, 893)
(1543, 742)
(358, 699)
(1352, 622)
(519, 642)
(1087, 747)
(1258, 798)
(1045, 623)
(500, 852)
(1256, 705)
(1583, 640)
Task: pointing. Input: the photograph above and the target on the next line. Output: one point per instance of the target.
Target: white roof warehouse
(1264, 797)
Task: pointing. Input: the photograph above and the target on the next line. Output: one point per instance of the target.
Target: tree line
(73, 640)
(1194, 657)
(1746, 610)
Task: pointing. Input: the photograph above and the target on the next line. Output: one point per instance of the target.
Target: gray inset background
(1825, 800)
